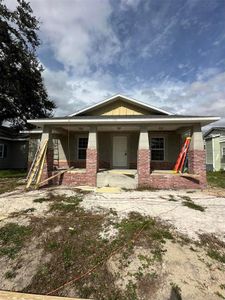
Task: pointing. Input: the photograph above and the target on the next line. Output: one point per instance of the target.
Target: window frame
(78, 148)
(164, 148)
(223, 151)
(3, 150)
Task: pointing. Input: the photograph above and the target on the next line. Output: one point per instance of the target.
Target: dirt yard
(129, 245)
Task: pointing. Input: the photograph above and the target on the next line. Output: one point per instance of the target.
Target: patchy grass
(8, 185)
(215, 247)
(215, 254)
(172, 198)
(73, 252)
(175, 292)
(190, 203)
(13, 173)
(193, 205)
(12, 238)
(216, 179)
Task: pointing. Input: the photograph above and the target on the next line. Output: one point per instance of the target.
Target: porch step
(117, 178)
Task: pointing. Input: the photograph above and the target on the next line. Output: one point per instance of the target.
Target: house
(13, 149)
(123, 133)
(215, 148)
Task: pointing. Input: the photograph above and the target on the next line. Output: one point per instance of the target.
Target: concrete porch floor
(123, 178)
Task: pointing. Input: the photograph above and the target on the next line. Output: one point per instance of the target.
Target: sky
(168, 53)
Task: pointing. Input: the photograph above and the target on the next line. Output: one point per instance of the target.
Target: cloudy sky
(169, 53)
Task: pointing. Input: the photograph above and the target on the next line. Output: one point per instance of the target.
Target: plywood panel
(4, 295)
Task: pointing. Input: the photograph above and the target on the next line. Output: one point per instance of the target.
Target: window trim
(223, 151)
(164, 149)
(78, 148)
(3, 150)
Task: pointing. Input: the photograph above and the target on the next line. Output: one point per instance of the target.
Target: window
(3, 151)
(82, 147)
(157, 148)
(223, 151)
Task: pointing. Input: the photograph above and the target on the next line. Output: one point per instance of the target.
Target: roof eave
(183, 120)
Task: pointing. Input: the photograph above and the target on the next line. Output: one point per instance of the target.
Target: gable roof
(124, 98)
(216, 128)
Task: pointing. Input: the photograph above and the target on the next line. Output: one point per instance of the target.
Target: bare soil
(131, 245)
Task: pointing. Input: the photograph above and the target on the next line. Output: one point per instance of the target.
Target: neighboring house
(13, 149)
(215, 148)
(123, 133)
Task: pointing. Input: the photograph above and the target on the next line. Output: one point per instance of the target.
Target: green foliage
(12, 173)
(216, 179)
(10, 274)
(12, 237)
(175, 292)
(22, 92)
(214, 254)
(192, 205)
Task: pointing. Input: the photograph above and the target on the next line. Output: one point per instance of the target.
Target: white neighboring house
(215, 149)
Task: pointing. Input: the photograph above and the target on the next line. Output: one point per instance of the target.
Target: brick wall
(143, 166)
(197, 165)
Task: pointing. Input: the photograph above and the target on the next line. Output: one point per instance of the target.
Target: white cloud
(78, 32)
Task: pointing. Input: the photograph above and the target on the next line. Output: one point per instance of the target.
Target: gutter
(124, 121)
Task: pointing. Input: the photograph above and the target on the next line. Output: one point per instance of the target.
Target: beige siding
(217, 155)
(120, 108)
(222, 145)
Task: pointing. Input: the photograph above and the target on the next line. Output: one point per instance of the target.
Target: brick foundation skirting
(162, 165)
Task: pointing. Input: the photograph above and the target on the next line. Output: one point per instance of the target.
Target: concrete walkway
(117, 178)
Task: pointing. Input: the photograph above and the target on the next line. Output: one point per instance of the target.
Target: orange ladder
(182, 156)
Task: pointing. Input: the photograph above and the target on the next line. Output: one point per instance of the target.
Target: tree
(22, 92)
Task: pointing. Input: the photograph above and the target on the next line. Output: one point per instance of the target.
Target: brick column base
(143, 167)
(48, 166)
(91, 166)
(196, 165)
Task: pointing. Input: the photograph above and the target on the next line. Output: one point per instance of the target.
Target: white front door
(120, 151)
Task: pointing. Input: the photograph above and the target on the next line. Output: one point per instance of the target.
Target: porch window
(157, 148)
(82, 147)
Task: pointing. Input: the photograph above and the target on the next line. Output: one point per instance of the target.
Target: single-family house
(215, 148)
(123, 133)
(13, 149)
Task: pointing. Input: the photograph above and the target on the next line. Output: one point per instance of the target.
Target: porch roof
(135, 119)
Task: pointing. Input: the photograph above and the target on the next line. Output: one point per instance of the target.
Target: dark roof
(124, 117)
(212, 129)
(10, 133)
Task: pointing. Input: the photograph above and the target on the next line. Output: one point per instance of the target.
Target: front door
(120, 151)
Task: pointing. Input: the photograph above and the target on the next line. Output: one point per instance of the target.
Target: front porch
(104, 156)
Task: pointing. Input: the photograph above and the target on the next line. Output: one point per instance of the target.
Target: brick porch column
(143, 158)
(196, 155)
(92, 158)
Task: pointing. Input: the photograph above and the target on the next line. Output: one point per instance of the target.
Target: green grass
(216, 179)
(13, 173)
(214, 254)
(12, 237)
(193, 205)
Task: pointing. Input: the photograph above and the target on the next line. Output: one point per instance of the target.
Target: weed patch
(192, 205)
(12, 238)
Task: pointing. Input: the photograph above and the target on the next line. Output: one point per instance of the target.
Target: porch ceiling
(123, 128)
